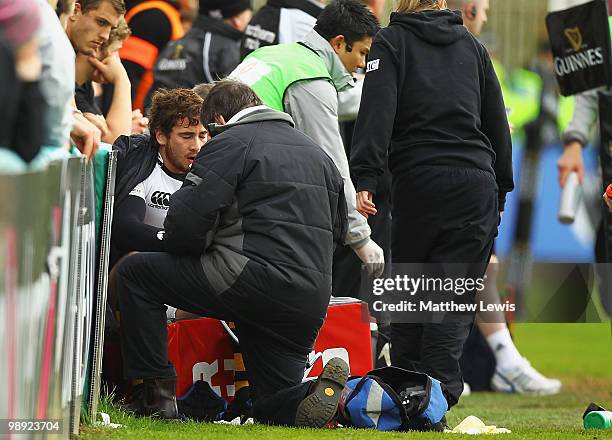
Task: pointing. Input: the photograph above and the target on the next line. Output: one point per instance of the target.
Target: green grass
(579, 354)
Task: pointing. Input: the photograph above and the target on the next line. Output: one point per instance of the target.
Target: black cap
(224, 8)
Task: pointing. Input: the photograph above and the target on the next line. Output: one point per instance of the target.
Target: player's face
(182, 145)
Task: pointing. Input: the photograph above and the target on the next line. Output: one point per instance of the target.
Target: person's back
(277, 229)
(280, 22)
(279, 185)
(444, 85)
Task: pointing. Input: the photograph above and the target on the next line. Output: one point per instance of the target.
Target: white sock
(506, 354)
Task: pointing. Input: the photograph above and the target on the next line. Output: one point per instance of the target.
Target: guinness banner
(580, 43)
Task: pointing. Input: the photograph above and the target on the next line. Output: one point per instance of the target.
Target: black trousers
(274, 337)
(441, 215)
(604, 278)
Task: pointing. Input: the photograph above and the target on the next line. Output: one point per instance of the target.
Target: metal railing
(53, 282)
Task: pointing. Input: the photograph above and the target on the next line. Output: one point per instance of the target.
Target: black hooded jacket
(207, 53)
(434, 99)
(264, 27)
(136, 159)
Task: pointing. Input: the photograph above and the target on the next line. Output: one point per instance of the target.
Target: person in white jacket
(575, 138)
(341, 39)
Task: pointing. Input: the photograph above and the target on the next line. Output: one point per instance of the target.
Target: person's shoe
(155, 398)
(320, 406)
(524, 379)
(467, 389)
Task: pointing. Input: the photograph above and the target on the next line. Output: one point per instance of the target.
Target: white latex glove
(373, 257)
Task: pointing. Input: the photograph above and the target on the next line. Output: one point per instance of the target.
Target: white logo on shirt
(372, 65)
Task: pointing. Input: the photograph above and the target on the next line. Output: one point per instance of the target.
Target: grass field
(579, 354)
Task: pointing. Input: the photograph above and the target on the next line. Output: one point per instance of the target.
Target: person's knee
(126, 275)
(124, 268)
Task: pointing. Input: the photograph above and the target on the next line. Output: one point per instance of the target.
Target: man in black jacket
(249, 238)
(280, 22)
(209, 51)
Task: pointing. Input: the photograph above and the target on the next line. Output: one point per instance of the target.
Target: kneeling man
(249, 238)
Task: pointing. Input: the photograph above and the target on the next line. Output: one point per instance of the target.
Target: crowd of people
(264, 159)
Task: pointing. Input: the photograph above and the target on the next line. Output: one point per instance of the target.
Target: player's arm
(130, 233)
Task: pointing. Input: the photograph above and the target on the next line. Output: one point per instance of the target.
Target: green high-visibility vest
(271, 70)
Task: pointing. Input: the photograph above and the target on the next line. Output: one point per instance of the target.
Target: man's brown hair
(226, 99)
(88, 5)
(203, 89)
(171, 106)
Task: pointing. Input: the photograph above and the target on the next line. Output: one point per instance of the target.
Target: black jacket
(136, 159)
(432, 97)
(208, 52)
(263, 205)
(263, 29)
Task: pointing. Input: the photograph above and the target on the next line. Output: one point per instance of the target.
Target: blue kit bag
(393, 399)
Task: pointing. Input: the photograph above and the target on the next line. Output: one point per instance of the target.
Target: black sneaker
(321, 405)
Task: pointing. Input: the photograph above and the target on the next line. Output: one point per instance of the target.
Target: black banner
(580, 43)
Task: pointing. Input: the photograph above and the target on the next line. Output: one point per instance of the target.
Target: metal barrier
(52, 293)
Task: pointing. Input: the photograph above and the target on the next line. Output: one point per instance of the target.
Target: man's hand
(365, 206)
(373, 257)
(85, 135)
(139, 122)
(110, 70)
(571, 160)
(608, 201)
(98, 121)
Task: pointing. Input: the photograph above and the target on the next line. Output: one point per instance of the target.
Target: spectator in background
(63, 9)
(575, 138)
(88, 28)
(90, 25)
(209, 51)
(9, 96)
(57, 78)
(23, 112)
(378, 8)
(288, 21)
(104, 92)
(58, 83)
(303, 79)
(280, 22)
(512, 372)
(154, 23)
(106, 67)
